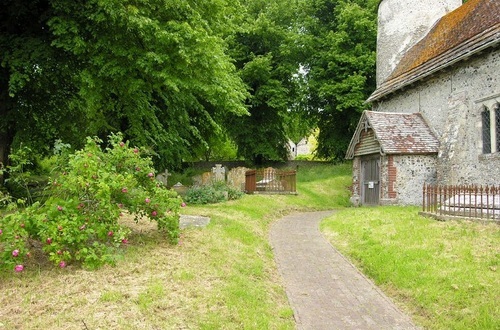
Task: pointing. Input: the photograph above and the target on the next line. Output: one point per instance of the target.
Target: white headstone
(219, 173)
(163, 177)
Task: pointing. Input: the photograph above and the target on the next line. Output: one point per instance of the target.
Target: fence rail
(270, 181)
(467, 201)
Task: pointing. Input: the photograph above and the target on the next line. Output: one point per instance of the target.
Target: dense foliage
(191, 80)
(157, 71)
(341, 43)
(213, 193)
(79, 220)
(265, 50)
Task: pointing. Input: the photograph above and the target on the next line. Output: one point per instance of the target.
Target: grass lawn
(219, 277)
(224, 277)
(445, 274)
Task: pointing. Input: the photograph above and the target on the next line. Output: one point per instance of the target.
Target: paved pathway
(324, 289)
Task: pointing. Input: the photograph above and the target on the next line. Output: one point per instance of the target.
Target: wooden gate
(370, 191)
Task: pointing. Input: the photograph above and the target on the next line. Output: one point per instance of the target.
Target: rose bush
(79, 220)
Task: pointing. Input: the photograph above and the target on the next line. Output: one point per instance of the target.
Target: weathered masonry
(391, 150)
(437, 65)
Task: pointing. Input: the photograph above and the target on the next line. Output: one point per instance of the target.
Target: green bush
(212, 193)
(78, 222)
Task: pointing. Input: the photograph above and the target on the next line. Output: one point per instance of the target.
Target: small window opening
(497, 127)
(485, 115)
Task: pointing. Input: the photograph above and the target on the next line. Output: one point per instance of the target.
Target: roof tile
(462, 32)
(397, 133)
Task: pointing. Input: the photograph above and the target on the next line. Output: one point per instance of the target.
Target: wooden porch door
(370, 190)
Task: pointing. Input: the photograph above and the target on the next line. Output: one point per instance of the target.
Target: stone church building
(435, 114)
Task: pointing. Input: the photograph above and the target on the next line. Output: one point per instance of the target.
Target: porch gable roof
(397, 133)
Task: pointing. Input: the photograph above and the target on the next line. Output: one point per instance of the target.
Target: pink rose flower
(124, 190)
(183, 204)
(15, 253)
(1, 232)
(136, 150)
(154, 213)
(122, 144)
(125, 241)
(110, 233)
(59, 208)
(150, 174)
(62, 264)
(19, 268)
(147, 200)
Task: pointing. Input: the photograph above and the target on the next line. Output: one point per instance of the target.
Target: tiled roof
(397, 133)
(461, 33)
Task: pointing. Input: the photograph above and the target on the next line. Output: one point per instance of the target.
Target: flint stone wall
(416, 170)
(451, 101)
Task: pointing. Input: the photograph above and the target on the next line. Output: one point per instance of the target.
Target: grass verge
(444, 273)
(219, 277)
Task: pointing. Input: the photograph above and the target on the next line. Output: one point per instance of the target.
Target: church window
(490, 118)
(485, 115)
(497, 126)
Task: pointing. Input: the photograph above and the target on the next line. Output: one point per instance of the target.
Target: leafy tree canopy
(340, 42)
(183, 75)
(156, 70)
(266, 54)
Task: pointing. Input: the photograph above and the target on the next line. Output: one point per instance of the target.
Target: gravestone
(236, 178)
(197, 180)
(206, 178)
(198, 221)
(219, 173)
(163, 177)
(180, 188)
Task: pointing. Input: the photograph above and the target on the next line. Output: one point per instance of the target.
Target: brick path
(324, 289)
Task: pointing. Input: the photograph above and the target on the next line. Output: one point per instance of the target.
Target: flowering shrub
(79, 220)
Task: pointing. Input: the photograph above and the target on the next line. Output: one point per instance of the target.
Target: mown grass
(444, 273)
(219, 277)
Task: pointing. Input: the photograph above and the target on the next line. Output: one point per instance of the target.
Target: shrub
(213, 193)
(79, 220)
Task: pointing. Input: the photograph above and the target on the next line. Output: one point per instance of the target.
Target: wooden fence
(270, 180)
(466, 201)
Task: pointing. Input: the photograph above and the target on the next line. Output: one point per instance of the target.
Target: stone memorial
(163, 177)
(206, 178)
(197, 180)
(180, 188)
(236, 178)
(219, 173)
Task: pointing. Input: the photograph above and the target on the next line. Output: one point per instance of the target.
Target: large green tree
(156, 70)
(340, 41)
(266, 54)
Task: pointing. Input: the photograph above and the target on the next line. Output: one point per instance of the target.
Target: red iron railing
(468, 201)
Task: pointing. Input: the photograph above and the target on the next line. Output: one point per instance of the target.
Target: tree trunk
(5, 142)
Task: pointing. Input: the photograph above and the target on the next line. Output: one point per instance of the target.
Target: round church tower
(401, 24)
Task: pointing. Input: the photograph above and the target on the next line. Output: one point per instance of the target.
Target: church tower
(401, 24)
